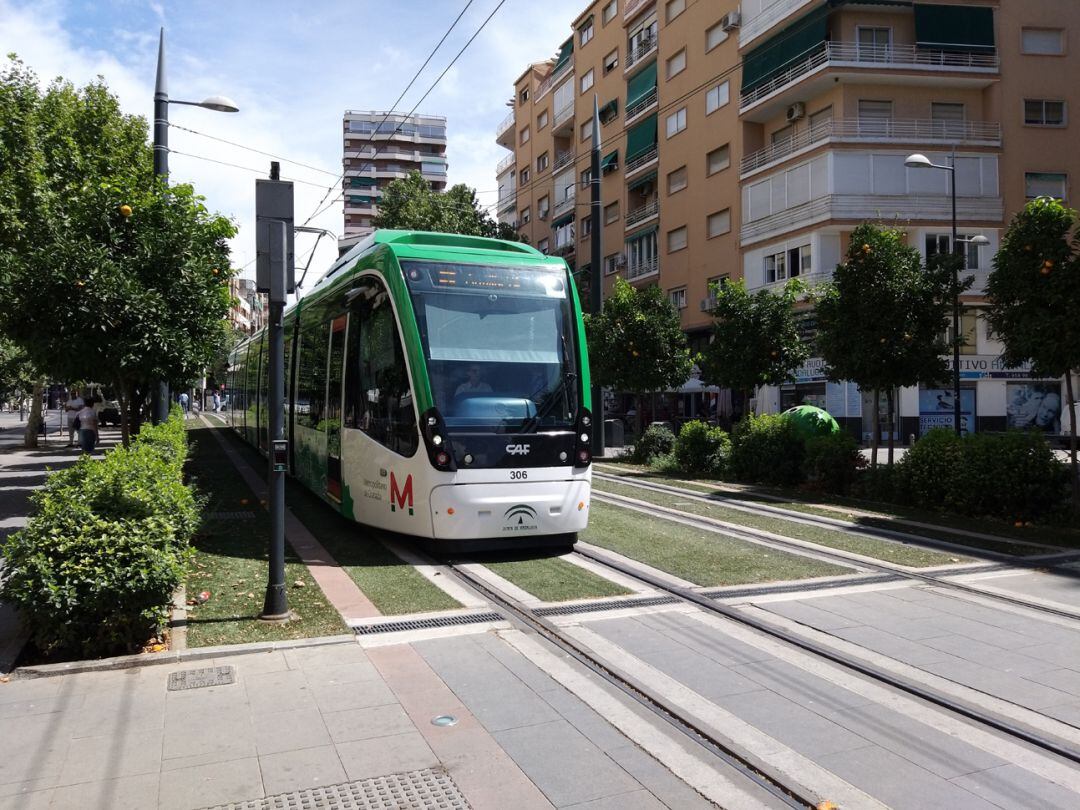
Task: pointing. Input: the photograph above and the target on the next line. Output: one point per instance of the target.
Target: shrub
(702, 448)
(657, 440)
(831, 461)
(95, 568)
(930, 466)
(766, 449)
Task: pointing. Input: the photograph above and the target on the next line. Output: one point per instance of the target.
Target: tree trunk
(892, 422)
(30, 438)
(1072, 441)
(638, 416)
(123, 401)
(877, 429)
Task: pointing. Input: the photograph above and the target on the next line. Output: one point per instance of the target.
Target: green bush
(657, 440)
(95, 568)
(930, 467)
(766, 450)
(702, 448)
(831, 461)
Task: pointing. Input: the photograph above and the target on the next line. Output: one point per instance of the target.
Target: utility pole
(159, 410)
(596, 290)
(274, 275)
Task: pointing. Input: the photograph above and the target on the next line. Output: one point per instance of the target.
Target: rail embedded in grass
(553, 580)
(705, 558)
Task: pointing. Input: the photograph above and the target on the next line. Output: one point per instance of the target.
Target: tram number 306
(518, 475)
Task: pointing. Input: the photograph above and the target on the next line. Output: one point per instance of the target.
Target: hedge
(702, 448)
(95, 568)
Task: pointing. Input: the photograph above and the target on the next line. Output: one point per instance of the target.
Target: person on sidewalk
(88, 427)
(183, 398)
(72, 407)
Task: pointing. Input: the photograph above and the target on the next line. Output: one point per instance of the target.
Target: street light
(161, 161)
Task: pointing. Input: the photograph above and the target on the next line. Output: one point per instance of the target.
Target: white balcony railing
(507, 200)
(640, 269)
(564, 205)
(505, 124)
(504, 164)
(643, 49)
(642, 160)
(853, 54)
(876, 130)
(641, 214)
(755, 26)
(554, 76)
(632, 7)
(641, 105)
(563, 159)
(563, 115)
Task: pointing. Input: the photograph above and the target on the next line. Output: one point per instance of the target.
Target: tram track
(808, 548)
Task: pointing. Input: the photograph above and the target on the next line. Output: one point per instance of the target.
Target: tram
(436, 385)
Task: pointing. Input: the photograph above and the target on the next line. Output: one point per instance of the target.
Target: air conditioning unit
(620, 260)
(796, 111)
(730, 20)
(706, 304)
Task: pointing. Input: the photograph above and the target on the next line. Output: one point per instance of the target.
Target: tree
(107, 273)
(1033, 290)
(637, 344)
(755, 338)
(411, 204)
(881, 320)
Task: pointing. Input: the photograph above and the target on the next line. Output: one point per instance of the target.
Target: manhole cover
(199, 678)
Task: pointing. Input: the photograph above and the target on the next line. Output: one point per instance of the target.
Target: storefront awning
(641, 138)
(794, 42)
(641, 84)
(609, 161)
(954, 28)
(565, 219)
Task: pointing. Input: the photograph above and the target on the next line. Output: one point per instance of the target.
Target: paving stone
(702, 674)
(658, 779)
(809, 612)
(201, 739)
(529, 674)
(1066, 713)
(299, 769)
(334, 696)
(35, 762)
(795, 684)
(342, 673)
(36, 800)
(636, 636)
(254, 663)
(1001, 684)
(637, 800)
(598, 730)
(21, 691)
(25, 708)
(988, 655)
(881, 641)
(564, 764)
(917, 742)
(365, 724)
(109, 757)
(278, 692)
(117, 712)
(289, 731)
(125, 793)
(325, 655)
(883, 602)
(206, 785)
(1062, 654)
(1067, 680)
(695, 636)
(385, 755)
(1012, 786)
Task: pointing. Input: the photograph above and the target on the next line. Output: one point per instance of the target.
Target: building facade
(377, 152)
(747, 140)
(248, 307)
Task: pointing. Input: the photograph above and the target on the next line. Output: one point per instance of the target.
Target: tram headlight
(436, 440)
(586, 420)
(468, 458)
(562, 456)
(584, 438)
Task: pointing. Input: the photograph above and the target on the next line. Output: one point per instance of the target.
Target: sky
(293, 69)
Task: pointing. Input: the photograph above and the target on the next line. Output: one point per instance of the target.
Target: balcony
(507, 201)
(564, 205)
(504, 132)
(972, 67)
(504, 164)
(875, 130)
(563, 159)
(563, 120)
(643, 214)
(776, 13)
(553, 77)
(642, 161)
(641, 106)
(644, 49)
(643, 269)
(631, 8)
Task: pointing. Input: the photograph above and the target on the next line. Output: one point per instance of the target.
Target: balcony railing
(507, 201)
(642, 160)
(768, 18)
(564, 205)
(877, 130)
(641, 214)
(643, 49)
(563, 159)
(505, 124)
(641, 105)
(553, 77)
(505, 164)
(640, 269)
(632, 7)
(905, 57)
(563, 115)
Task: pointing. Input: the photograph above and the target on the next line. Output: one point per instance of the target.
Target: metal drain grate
(201, 678)
(425, 624)
(239, 515)
(796, 587)
(429, 789)
(606, 604)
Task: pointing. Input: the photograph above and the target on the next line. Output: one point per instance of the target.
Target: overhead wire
(252, 149)
(238, 166)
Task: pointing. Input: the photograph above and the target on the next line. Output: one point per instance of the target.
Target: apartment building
(379, 147)
(248, 307)
(747, 140)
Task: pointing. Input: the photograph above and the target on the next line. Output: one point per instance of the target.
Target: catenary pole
(160, 397)
(596, 290)
(956, 301)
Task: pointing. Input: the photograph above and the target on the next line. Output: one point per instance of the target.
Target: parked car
(109, 413)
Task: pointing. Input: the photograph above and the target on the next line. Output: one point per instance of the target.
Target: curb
(173, 657)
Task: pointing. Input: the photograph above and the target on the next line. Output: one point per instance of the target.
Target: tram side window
(288, 376)
(311, 374)
(251, 384)
(385, 409)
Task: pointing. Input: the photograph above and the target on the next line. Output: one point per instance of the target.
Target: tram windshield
(499, 344)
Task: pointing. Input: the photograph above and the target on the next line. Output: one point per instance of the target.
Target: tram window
(311, 374)
(251, 384)
(384, 403)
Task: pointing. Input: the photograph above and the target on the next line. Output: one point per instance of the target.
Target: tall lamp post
(161, 164)
(919, 161)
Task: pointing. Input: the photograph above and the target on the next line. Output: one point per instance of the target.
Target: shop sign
(936, 409)
(989, 367)
(813, 370)
(1034, 406)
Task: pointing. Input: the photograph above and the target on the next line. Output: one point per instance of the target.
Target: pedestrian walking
(72, 408)
(88, 427)
(184, 402)
(217, 402)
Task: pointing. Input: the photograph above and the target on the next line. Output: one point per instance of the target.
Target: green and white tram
(438, 386)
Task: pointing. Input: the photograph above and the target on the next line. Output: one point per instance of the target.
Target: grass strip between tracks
(888, 551)
(231, 563)
(393, 586)
(553, 580)
(696, 555)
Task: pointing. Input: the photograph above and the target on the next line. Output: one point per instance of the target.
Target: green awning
(357, 199)
(638, 182)
(775, 54)
(362, 182)
(565, 219)
(641, 138)
(565, 52)
(954, 28)
(609, 110)
(610, 160)
(642, 233)
(641, 84)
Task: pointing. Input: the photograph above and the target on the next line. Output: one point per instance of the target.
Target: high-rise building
(747, 140)
(378, 151)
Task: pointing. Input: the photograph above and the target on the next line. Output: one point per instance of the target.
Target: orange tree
(1033, 292)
